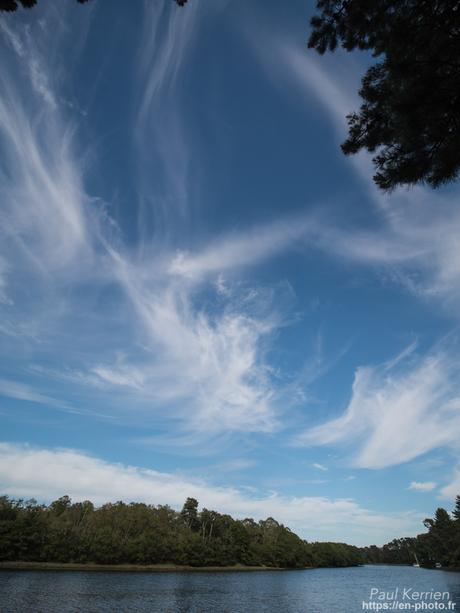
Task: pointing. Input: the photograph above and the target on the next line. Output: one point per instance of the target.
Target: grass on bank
(158, 568)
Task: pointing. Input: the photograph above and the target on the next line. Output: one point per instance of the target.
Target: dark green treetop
(189, 513)
(410, 115)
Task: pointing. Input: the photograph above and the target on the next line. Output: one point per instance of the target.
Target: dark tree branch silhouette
(13, 5)
(410, 115)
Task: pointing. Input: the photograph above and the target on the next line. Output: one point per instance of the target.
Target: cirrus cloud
(397, 411)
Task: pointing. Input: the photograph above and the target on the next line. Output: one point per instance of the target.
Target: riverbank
(156, 568)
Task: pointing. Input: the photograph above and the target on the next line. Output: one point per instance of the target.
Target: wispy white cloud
(422, 486)
(168, 34)
(3, 281)
(336, 93)
(397, 413)
(41, 181)
(13, 40)
(119, 375)
(41, 190)
(319, 466)
(452, 489)
(244, 248)
(416, 248)
(49, 473)
(206, 366)
(329, 84)
(416, 244)
(161, 129)
(415, 233)
(209, 363)
(23, 391)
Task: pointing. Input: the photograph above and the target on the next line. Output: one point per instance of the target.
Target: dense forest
(137, 533)
(439, 545)
(141, 534)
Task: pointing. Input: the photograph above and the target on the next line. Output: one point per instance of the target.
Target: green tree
(440, 544)
(455, 561)
(61, 505)
(189, 514)
(410, 115)
(440, 538)
(456, 511)
(136, 533)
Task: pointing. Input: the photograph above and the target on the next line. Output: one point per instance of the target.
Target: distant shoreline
(147, 568)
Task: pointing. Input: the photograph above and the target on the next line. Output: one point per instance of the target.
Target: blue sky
(199, 294)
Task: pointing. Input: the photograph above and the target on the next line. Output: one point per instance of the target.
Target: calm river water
(313, 591)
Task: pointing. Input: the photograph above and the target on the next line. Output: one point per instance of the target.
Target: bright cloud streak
(244, 248)
(212, 363)
(161, 132)
(45, 199)
(397, 414)
(422, 486)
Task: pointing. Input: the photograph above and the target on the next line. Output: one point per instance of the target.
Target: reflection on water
(311, 591)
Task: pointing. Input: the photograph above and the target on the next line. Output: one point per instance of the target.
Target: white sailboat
(416, 564)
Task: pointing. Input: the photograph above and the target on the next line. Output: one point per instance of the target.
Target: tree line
(439, 545)
(137, 533)
(141, 534)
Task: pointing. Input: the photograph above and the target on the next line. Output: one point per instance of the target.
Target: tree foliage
(439, 545)
(410, 115)
(13, 5)
(137, 533)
